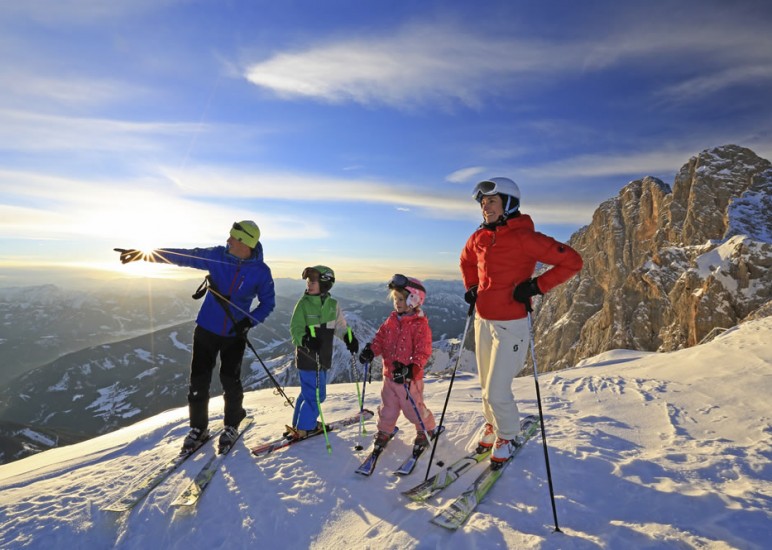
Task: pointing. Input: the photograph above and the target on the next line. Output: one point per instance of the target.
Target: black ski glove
(129, 255)
(353, 345)
(311, 343)
(402, 373)
(367, 354)
(525, 290)
(242, 327)
(470, 297)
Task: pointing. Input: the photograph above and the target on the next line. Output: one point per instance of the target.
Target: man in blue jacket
(237, 274)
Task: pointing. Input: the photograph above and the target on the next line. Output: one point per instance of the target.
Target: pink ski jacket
(407, 339)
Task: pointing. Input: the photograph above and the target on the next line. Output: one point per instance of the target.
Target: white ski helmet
(415, 289)
(505, 187)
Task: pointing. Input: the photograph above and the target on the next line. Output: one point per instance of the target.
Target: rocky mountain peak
(664, 268)
(699, 208)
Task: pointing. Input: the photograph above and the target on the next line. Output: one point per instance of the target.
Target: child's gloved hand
(402, 373)
(351, 345)
(367, 354)
(311, 342)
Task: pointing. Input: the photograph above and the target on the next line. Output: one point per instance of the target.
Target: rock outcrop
(666, 268)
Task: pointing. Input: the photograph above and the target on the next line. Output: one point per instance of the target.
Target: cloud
(635, 164)
(428, 200)
(27, 131)
(433, 63)
(127, 213)
(701, 86)
(23, 87)
(464, 175)
(414, 65)
(122, 142)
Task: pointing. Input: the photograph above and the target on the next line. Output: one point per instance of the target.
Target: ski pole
(223, 301)
(355, 375)
(541, 419)
(365, 375)
(355, 372)
(450, 387)
(364, 385)
(278, 389)
(415, 408)
(312, 330)
(359, 447)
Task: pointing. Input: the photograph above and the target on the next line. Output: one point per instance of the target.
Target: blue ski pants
(306, 409)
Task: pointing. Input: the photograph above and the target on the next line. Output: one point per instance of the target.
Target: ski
(444, 478)
(457, 512)
(191, 495)
(368, 466)
(140, 490)
(272, 446)
(408, 465)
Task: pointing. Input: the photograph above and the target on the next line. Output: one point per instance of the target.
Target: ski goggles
(238, 227)
(401, 282)
(314, 276)
(249, 234)
(484, 188)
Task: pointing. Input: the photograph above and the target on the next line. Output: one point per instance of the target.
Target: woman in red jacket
(497, 266)
(404, 340)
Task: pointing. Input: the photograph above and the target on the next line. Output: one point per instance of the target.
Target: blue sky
(352, 132)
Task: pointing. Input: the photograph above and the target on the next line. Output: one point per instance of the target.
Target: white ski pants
(501, 348)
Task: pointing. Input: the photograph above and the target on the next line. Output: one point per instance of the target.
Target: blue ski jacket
(239, 281)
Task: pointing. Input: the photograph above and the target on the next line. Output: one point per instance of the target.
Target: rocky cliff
(666, 268)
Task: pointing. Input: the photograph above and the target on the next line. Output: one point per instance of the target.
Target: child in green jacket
(316, 319)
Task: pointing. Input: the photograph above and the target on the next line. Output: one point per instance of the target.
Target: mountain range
(108, 385)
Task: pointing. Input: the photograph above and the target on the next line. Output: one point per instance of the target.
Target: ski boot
(195, 438)
(487, 440)
(380, 441)
(227, 438)
(502, 451)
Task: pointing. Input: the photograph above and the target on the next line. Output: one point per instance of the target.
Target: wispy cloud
(440, 63)
(415, 65)
(129, 213)
(26, 87)
(636, 164)
(701, 86)
(202, 181)
(24, 131)
(465, 175)
(29, 131)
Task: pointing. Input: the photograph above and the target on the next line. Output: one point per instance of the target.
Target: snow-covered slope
(647, 451)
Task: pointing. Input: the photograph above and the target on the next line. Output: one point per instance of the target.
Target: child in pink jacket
(404, 340)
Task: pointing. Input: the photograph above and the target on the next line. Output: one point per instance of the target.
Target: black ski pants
(206, 347)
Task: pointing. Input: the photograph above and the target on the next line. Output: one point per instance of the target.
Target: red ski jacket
(498, 259)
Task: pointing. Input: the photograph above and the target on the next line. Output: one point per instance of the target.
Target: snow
(176, 343)
(38, 437)
(144, 355)
(647, 450)
(62, 385)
